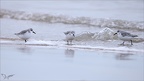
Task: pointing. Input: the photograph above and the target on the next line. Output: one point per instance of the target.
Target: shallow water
(52, 63)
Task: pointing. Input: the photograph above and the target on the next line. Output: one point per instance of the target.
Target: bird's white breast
(25, 36)
(69, 37)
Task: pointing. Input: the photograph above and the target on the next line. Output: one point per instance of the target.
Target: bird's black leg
(67, 42)
(70, 41)
(25, 40)
(123, 43)
(131, 42)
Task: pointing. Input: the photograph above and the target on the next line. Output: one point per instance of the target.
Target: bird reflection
(124, 56)
(69, 53)
(24, 49)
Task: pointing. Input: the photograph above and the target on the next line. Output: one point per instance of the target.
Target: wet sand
(55, 63)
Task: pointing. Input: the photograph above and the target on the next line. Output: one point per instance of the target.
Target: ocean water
(94, 21)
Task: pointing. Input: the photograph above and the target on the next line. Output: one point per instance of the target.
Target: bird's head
(32, 30)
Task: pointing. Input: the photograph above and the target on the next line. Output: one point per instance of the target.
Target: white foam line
(62, 44)
(118, 49)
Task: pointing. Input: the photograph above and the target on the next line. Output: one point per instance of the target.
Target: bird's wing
(125, 34)
(22, 32)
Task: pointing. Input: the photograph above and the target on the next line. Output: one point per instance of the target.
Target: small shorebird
(70, 35)
(25, 34)
(125, 36)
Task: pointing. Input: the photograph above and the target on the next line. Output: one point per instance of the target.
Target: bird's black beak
(115, 33)
(34, 32)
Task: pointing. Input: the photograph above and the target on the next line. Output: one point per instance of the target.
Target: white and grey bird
(70, 35)
(25, 34)
(125, 36)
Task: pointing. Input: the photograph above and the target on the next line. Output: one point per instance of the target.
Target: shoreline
(123, 49)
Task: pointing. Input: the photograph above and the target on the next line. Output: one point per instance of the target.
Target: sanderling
(125, 36)
(70, 35)
(25, 34)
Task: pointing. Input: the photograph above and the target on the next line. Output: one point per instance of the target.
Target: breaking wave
(103, 35)
(111, 23)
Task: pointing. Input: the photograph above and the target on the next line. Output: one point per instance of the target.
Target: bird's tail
(15, 33)
(134, 35)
